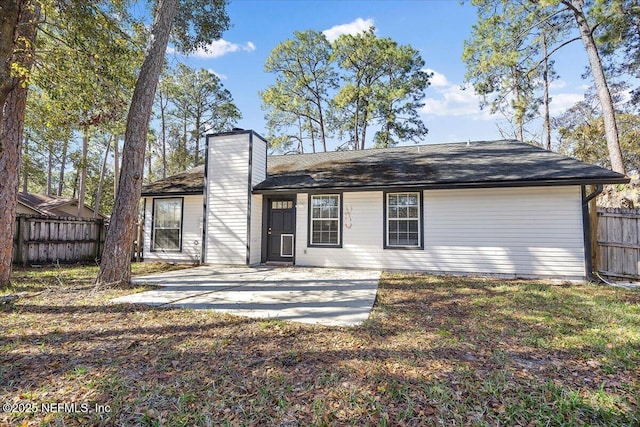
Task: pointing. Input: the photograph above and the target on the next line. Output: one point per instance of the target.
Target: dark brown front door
(280, 230)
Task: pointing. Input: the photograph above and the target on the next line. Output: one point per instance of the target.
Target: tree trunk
(101, 180)
(11, 130)
(365, 120)
(313, 137)
(545, 79)
(198, 119)
(602, 88)
(50, 170)
(116, 164)
(163, 125)
(83, 172)
(25, 171)
(8, 36)
(322, 134)
(115, 267)
(518, 116)
(63, 164)
(149, 170)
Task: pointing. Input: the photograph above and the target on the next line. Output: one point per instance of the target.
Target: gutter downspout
(586, 228)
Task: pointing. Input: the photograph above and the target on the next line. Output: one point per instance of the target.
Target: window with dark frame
(167, 224)
(325, 219)
(403, 220)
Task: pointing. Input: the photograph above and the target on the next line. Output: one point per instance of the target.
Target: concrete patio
(325, 296)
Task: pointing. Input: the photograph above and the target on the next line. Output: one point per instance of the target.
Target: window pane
(325, 216)
(167, 213)
(393, 238)
(403, 219)
(412, 239)
(167, 224)
(167, 239)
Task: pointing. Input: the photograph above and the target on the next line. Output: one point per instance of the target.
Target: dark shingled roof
(459, 165)
(473, 164)
(48, 205)
(188, 182)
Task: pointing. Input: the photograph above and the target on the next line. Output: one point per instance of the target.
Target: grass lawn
(436, 351)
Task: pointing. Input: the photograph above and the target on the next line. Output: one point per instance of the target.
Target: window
(325, 220)
(287, 204)
(167, 224)
(403, 220)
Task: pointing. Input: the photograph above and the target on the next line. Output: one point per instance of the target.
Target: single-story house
(483, 207)
(45, 205)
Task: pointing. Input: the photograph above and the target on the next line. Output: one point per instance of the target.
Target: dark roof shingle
(188, 182)
(473, 164)
(480, 163)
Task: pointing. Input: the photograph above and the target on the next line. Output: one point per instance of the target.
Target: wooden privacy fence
(619, 242)
(43, 239)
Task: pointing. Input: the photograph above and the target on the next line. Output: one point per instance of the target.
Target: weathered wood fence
(44, 239)
(619, 242)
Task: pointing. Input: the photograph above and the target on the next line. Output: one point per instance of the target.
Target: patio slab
(327, 296)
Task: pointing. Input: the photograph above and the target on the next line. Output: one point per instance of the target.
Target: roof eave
(171, 193)
(450, 185)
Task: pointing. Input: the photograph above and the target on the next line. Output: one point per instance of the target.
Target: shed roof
(458, 165)
(48, 205)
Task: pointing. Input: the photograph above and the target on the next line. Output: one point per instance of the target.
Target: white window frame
(156, 202)
(313, 220)
(418, 219)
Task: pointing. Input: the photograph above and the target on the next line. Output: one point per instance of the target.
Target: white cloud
(557, 84)
(437, 79)
(219, 75)
(452, 100)
(358, 26)
(560, 102)
(218, 48)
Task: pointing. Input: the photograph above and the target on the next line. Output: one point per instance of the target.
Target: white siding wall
(227, 199)
(511, 231)
(258, 174)
(256, 230)
(191, 232)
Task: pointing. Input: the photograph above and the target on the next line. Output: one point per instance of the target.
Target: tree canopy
(340, 90)
(512, 40)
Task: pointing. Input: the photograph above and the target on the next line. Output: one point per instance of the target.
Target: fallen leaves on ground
(436, 350)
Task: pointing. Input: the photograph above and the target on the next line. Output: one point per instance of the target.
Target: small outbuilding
(46, 205)
(482, 207)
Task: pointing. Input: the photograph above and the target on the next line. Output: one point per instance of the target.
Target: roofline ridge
(396, 147)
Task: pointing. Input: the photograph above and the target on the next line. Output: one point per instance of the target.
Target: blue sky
(436, 28)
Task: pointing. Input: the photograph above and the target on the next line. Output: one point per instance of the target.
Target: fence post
(593, 219)
(99, 224)
(20, 241)
(23, 236)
